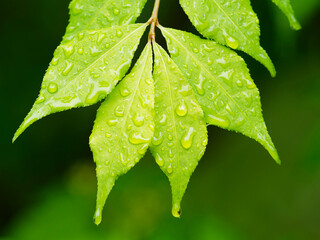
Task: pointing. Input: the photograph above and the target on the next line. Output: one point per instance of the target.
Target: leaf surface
(286, 8)
(84, 70)
(180, 131)
(123, 127)
(97, 14)
(223, 86)
(231, 23)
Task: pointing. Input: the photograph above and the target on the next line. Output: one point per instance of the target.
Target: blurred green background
(47, 177)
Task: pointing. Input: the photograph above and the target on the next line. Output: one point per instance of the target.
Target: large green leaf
(286, 8)
(123, 128)
(180, 131)
(231, 23)
(223, 86)
(97, 14)
(84, 70)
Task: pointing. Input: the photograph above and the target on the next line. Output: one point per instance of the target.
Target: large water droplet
(181, 109)
(157, 139)
(159, 160)
(137, 138)
(112, 122)
(119, 111)
(231, 42)
(138, 119)
(186, 140)
(52, 88)
(124, 92)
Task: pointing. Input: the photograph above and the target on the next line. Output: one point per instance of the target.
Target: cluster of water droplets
(220, 78)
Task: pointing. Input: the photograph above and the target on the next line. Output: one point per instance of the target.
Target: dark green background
(47, 177)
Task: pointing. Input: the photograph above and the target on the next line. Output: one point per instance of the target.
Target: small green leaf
(84, 70)
(286, 8)
(180, 131)
(97, 14)
(123, 128)
(223, 86)
(231, 23)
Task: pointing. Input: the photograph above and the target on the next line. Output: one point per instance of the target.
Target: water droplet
(67, 68)
(112, 122)
(138, 119)
(170, 153)
(94, 51)
(157, 139)
(176, 211)
(68, 49)
(143, 149)
(108, 135)
(119, 33)
(123, 159)
(80, 35)
(222, 122)
(124, 92)
(181, 109)
(195, 50)
(186, 140)
(40, 99)
(159, 160)
(231, 42)
(169, 169)
(100, 38)
(199, 86)
(55, 61)
(116, 11)
(52, 88)
(119, 111)
(76, 8)
(137, 138)
(80, 51)
(163, 119)
(107, 162)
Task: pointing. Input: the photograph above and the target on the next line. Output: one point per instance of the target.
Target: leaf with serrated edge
(84, 70)
(223, 86)
(180, 135)
(286, 8)
(231, 23)
(123, 128)
(97, 14)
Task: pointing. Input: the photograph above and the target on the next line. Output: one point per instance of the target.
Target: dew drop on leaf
(186, 140)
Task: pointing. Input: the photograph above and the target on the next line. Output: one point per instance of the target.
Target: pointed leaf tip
(97, 216)
(176, 210)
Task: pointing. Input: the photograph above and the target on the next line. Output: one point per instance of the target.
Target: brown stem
(154, 20)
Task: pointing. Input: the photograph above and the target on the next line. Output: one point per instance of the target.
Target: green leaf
(97, 14)
(223, 86)
(84, 70)
(180, 131)
(286, 8)
(231, 23)
(123, 128)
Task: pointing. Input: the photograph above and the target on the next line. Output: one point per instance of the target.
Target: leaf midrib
(130, 105)
(173, 116)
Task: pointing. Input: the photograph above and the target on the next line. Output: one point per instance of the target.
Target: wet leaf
(97, 14)
(231, 23)
(180, 135)
(286, 8)
(123, 128)
(84, 70)
(223, 86)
